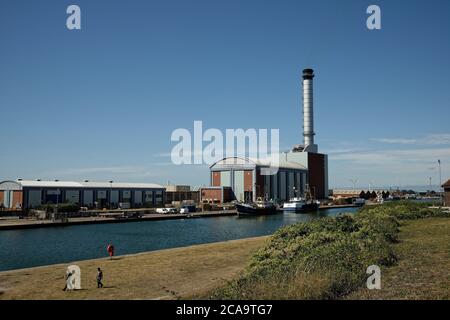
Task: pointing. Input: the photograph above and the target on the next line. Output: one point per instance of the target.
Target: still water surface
(37, 247)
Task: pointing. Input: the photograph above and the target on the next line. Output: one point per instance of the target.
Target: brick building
(446, 187)
(296, 171)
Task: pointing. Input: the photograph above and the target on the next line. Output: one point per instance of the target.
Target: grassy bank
(422, 270)
(326, 258)
(165, 274)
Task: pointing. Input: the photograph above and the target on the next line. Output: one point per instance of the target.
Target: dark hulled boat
(260, 207)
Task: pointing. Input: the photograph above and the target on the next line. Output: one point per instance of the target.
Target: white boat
(302, 204)
(299, 204)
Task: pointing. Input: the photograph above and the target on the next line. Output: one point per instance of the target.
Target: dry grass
(422, 271)
(327, 258)
(300, 286)
(166, 274)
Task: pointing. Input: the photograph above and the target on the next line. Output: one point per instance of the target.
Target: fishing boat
(302, 204)
(299, 204)
(260, 207)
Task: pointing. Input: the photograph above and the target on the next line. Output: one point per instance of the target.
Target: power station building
(28, 194)
(248, 181)
(301, 167)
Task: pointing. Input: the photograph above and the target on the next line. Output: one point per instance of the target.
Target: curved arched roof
(240, 161)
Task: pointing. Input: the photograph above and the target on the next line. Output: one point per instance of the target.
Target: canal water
(37, 247)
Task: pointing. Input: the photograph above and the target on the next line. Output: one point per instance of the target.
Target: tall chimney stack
(308, 112)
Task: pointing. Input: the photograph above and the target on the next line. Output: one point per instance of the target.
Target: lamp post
(55, 211)
(440, 183)
(429, 192)
(110, 193)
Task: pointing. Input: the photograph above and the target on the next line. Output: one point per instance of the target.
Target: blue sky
(101, 103)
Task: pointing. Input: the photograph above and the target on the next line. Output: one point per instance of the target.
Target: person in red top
(110, 250)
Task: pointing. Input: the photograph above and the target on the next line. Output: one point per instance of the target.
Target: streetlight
(55, 210)
(429, 192)
(440, 183)
(110, 194)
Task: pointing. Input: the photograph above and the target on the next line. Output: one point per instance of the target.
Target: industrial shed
(29, 194)
(244, 176)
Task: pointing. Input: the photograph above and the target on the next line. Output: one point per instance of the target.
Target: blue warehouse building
(28, 194)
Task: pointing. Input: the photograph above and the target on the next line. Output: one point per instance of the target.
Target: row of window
(92, 197)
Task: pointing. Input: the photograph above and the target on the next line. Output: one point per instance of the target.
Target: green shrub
(324, 258)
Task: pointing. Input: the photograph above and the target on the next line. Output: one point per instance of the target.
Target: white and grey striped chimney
(308, 111)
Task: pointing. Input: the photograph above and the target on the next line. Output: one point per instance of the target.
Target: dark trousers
(99, 284)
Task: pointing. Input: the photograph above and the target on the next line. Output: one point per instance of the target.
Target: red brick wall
(447, 197)
(316, 168)
(211, 194)
(248, 180)
(17, 198)
(215, 179)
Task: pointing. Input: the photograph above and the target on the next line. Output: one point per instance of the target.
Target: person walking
(110, 249)
(68, 279)
(99, 278)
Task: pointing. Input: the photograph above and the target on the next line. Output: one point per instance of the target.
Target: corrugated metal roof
(89, 184)
(124, 185)
(43, 183)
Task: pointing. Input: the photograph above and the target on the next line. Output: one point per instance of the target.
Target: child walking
(99, 278)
